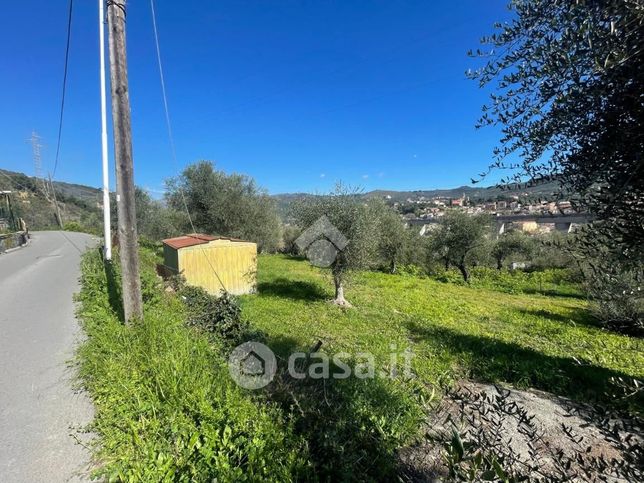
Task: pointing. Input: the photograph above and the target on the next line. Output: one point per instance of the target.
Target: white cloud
(322, 175)
(365, 176)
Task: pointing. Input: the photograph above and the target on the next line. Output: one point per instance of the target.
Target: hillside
(547, 191)
(77, 203)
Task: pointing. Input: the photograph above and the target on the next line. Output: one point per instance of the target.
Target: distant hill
(77, 203)
(82, 203)
(547, 190)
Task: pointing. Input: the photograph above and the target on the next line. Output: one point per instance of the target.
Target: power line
(171, 137)
(62, 101)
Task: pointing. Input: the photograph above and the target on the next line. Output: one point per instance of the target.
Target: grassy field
(168, 410)
(547, 342)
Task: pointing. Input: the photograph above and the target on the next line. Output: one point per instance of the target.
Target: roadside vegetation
(166, 408)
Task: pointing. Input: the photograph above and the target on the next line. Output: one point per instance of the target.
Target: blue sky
(297, 94)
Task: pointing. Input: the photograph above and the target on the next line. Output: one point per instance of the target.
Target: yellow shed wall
(234, 262)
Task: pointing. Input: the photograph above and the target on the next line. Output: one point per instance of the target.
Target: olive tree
(226, 204)
(458, 237)
(346, 214)
(511, 243)
(155, 220)
(568, 78)
(393, 236)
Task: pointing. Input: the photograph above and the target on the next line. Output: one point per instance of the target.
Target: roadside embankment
(10, 241)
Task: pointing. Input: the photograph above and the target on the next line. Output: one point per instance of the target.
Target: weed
(166, 408)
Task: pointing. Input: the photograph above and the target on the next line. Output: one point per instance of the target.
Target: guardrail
(13, 240)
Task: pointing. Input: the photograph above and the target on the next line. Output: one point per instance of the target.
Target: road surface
(40, 413)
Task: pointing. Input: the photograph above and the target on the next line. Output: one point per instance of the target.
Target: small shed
(212, 262)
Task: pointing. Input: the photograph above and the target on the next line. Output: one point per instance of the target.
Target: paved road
(39, 410)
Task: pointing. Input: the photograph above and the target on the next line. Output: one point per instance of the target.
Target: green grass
(166, 408)
(530, 340)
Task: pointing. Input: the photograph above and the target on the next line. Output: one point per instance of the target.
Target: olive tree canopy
(226, 204)
(568, 80)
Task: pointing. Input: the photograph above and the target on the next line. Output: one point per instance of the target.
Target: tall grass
(166, 408)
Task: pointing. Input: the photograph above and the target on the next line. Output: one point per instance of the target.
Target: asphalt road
(40, 412)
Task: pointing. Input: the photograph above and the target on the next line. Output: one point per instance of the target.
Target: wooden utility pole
(55, 201)
(128, 246)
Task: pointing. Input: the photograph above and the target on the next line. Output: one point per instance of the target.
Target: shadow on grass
(491, 360)
(581, 317)
(292, 289)
(554, 293)
(352, 426)
(114, 289)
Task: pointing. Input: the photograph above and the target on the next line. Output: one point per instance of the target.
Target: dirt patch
(528, 429)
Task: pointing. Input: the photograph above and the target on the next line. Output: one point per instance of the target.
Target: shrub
(75, 226)
(218, 316)
(619, 300)
(613, 278)
(290, 233)
(411, 270)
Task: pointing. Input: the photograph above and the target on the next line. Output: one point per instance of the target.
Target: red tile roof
(194, 239)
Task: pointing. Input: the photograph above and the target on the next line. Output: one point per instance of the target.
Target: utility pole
(55, 201)
(107, 235)
(128, 247)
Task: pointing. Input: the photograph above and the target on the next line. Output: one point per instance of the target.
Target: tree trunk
(339, 292)
(499, 263)
(464, 272)
(393, 267)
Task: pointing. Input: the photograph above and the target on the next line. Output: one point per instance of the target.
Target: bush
(77, 227)
(353, 427)
(290, 233)
(613, 278)
(411, 270)
(618, 296)
(218, 316)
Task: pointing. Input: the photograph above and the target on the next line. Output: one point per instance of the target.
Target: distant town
(528, 215)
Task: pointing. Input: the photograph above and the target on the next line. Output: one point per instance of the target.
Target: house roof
(194, 239)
